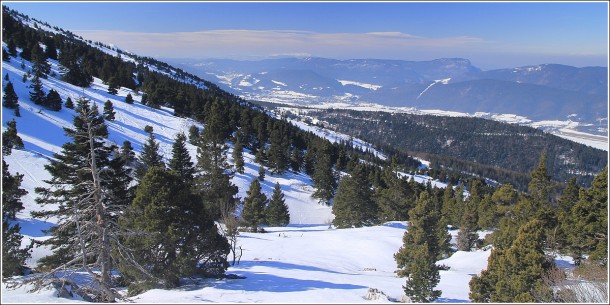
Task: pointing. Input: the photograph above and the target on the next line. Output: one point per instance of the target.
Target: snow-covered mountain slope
(42, 133)
(305, 261)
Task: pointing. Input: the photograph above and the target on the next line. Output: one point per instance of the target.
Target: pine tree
(587, 231)
(12, 48)
(10, 99)
(40, 65)
(569, 197)
(395, 198)
(216, 126)
(537, 203)
(296, 159)
(129, 99)
(5, 55)
(515, 274)
(309, 159)
(82, 237)
(113, 85)
(11, 193)
(37, 94)
(148, 129)
(277, 210)
(238, 156)
(181, 162)
(353, 205)
(487, 214)
(149, 157)
(193, 134)
(261, 173)
(539, 186)
(10, 138)
(416, 258)
(278, 153)
(144, 99)
(69, 104)
(260, 156)
(51, 49)
(170, 235)
(467, 236)
(109, 111)
(324, 176)
(73, 68)
(53, 100)
(13, 256)
(504, 197)
(254, 206)
(128, 155)
(214, 178)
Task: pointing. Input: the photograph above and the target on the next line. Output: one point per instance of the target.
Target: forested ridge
(461, 145)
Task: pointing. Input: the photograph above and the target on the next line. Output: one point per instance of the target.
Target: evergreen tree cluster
(13, 256)
(454, 145)
(259, 210)
(533, 225)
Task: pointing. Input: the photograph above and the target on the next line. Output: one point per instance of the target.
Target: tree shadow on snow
(286, 266)
(34, 227)
(272, 283)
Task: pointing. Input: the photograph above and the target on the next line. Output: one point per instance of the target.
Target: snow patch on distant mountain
(441, 81)
(279, 83)
(359, 84)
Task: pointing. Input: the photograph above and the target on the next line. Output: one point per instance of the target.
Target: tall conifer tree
(354, 205)
(214, 171)
(254, 206)
(10, 138)
(277, 210)
(323, 177)
(416, 259)
(150, 157)
(10, 99)
(37, 94)
(181, 162)
(238, 156)
(85, 213)
(109, 111)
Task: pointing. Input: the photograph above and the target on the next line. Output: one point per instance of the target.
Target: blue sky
(491, 35)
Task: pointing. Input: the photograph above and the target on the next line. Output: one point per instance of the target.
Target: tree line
(499, 151)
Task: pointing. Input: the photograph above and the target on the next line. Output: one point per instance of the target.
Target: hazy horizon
(492, 35)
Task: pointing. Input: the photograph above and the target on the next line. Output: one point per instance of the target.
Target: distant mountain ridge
(541, 92)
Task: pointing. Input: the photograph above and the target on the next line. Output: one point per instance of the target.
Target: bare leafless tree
(229, 228)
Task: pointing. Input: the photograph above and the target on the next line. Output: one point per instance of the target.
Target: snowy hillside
(305, 261)
(42, 133)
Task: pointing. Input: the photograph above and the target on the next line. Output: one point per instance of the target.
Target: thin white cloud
(248, 43)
